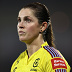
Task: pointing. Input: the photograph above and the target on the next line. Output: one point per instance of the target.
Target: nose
(21, 25)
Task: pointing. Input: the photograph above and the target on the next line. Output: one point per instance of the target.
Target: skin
(29, 30)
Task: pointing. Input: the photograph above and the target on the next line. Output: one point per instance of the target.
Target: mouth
(21, 32)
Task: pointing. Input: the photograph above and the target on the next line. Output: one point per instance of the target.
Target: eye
(27, 20)
(18, 19)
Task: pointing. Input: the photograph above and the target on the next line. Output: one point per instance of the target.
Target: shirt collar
(44, 44)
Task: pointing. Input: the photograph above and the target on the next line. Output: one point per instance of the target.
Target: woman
(35, 30)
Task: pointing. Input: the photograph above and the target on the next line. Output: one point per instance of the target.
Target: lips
(21, 32)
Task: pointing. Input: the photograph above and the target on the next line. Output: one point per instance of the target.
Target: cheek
(32, 29)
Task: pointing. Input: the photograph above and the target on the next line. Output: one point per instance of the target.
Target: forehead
(26, 12)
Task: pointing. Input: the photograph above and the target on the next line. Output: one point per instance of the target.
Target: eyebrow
(24, 17)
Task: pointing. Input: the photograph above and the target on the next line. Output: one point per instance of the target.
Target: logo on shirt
(58, 63)
(33, 70)
(35, 64)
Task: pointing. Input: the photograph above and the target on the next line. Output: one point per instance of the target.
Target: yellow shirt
(46, 59)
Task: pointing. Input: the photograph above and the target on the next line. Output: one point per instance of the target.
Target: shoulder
(22, 55)
(56, 59)
(52, 51)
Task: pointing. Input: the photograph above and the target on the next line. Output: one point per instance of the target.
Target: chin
(22, 39)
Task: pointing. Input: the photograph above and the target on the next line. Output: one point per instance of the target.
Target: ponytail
(48, 35)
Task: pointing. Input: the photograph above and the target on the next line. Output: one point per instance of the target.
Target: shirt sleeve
(57, 65)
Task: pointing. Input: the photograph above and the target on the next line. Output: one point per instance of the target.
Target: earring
(41, 30)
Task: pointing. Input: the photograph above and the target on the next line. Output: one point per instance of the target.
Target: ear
(43, 26)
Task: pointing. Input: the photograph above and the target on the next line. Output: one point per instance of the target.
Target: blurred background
(11, 47)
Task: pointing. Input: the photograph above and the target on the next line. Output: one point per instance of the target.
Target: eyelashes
(18, 19)
(26, 19)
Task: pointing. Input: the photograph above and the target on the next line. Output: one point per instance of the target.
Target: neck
(34, 45)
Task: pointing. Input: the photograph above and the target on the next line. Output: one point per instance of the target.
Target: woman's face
(28, 26)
